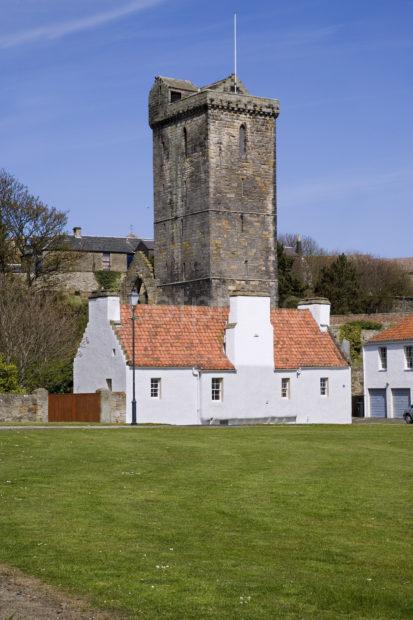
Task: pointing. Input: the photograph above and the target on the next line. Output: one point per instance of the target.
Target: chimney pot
(77, 232)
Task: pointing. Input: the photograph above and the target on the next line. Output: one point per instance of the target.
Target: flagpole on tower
(235, 52)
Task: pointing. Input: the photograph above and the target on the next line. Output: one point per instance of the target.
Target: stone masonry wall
(24, 407)
(112, 407)
(215, 213)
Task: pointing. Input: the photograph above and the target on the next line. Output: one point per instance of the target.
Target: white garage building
(203, 365)
(388, 371)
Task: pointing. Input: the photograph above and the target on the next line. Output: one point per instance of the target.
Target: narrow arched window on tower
(242, 141)
(185, 142)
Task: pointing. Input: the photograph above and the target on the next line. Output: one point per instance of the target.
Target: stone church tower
(214, 191)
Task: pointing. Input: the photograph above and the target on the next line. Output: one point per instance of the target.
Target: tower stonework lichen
(214, 192)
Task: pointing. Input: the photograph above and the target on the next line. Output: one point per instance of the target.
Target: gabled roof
(402, 331)
(188, 336)
(121, 245)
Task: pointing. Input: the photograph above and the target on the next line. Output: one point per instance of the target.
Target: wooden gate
(74, 407)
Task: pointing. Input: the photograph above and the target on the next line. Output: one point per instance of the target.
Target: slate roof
(178, 84)
(402, 331)
(116, 245)
(187, 336)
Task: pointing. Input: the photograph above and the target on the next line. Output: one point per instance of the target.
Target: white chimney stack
(77, 232)
(104, 307)
(320, 309)
(249, 335)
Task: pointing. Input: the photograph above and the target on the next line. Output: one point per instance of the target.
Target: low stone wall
(385, 318)
(24, 407)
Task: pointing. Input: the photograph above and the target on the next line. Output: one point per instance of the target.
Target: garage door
(378, 403)
(401, 401)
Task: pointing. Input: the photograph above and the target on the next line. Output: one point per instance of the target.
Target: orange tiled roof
(402, 331)
(298, 342)
(176, 336)
(187, 336)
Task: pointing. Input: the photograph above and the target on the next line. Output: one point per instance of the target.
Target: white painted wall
(396, 375)
(178, 401)
(254, 394)
(100, 355)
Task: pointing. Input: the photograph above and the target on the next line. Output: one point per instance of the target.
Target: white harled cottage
(388, 371)
(206, 365)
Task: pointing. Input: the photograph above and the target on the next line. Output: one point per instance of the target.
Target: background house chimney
(77, 232)
(320, 309)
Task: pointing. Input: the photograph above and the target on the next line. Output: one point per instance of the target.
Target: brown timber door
(74, 407)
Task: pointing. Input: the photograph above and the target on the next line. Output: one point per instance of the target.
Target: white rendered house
(203, 365)
(388, 371)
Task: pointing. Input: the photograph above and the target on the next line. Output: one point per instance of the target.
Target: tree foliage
(340, 283)
(31, 233)
(290, 287)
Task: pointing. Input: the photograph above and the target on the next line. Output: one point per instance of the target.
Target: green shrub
(352, 332)
(9, 383)
(108, 280)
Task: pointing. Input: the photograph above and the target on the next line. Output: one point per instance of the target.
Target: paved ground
(26, 598)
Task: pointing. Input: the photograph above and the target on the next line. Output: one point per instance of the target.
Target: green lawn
(262, 522)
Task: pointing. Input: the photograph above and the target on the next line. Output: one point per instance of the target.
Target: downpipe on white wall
(196, 372)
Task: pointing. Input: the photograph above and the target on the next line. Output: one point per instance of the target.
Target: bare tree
(308, 245)
(382, 281)
(31, 233)
(39, 332)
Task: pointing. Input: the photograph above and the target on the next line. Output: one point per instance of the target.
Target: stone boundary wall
(34, 407)
(24, 407)
(385, 318)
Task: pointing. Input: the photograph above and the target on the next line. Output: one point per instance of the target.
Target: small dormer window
(175, 96)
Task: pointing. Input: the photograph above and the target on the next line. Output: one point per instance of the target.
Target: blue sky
(75, 76)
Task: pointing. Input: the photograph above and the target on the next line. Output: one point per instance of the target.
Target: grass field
(262, 522)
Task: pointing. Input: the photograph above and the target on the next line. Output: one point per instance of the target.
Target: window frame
(155, 388)
(408, 357)
(285, 388)
(217, 389)
(382, 359)
(324, 387)
(106, 261)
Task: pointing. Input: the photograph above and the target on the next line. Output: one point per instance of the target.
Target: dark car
(408, 415)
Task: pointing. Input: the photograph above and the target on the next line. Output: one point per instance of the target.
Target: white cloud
(62, 29)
